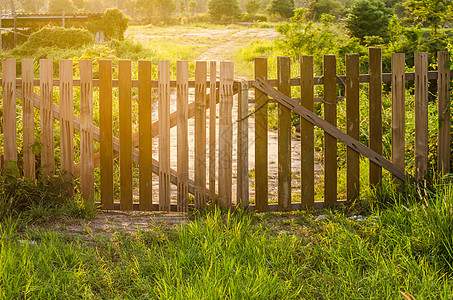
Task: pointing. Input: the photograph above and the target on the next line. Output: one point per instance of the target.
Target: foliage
(368, 18)
(317, 8)
(253, 6)
(59, 37)
(283, 8)
(58, 6)
(431, 11)
(224, 10)
(114, 24)
(254, 18)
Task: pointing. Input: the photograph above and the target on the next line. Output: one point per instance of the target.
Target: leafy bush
(114, 24)
(64, 38)
(368, 18)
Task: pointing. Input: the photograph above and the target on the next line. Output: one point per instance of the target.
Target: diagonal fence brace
(331, 129)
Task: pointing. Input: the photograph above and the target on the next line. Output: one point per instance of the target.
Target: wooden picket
(194, 98)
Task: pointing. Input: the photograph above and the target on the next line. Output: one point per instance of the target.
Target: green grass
(402, 244)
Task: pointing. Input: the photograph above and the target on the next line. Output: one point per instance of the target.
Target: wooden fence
(211, 183)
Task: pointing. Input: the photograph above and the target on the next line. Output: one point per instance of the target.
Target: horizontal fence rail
(195, 121)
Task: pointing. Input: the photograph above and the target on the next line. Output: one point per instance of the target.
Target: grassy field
(377, 249)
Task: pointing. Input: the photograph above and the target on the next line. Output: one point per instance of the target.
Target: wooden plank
(86, 130)
(182, 99)
(352, 125)
(443, 94)
(9, 110)
(261, 139)
(46, 114)
(331, 129)
(28, 117)
(243, 150)
(212, 128)
(125, 122)
(226, 133)
(398, 110)
(307, 191)
(145, 140)
(106, 133)
(164, 135)
(200, 133)
(284, 135)
(330, 143)
(375, 111)
(421, 114)
(66, 119)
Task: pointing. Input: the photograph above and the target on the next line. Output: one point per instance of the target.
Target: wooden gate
(98, 112)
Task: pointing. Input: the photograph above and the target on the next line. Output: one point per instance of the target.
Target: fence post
(443, 94)
(9, 110)
(200, 133)
(226, 133)
(182, 86)
(352, 125)
(28, 118)
(261, 139)
(421, 114)
(46, 114)
(66, 118)
(330, 143)
(125, 122)
(398, 110)
(284, 136)
(106, 133)
(212, 128)
(307, 191)
(145, 140)
(164, 135)
(86, 130)
(375, 111)
(243, 150)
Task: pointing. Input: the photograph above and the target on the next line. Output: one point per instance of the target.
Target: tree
(430, 11)
(58, 6)
(368, 18)
(284, 8)
(224, 10)
(164, 9)
(252, 6)
(192, 5)
(318, 7)
(114, 24)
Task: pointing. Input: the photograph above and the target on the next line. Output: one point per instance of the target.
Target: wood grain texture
(307, 191)
(164, 135)
(398, 110)
(261, 139)
(66, 119)
(28, 117)
(243, 149)
(212, 128)
(331, 129)
(106, 133)
(200, 133)
(352, 125)
(421, 114)
(330, 143)
(9, 110)
(443, 108)
(284, 135)
(226, 134)
(125, 122)
(46, 114)
(375, 111)
(182, 99)
(86, 130)
(145, 140)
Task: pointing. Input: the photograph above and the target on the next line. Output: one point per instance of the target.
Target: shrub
(368, 18)
(114, 24)
(64, 38)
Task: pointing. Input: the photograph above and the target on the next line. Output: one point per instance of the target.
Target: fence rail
(213, 131)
